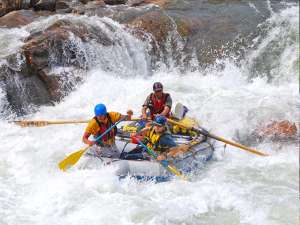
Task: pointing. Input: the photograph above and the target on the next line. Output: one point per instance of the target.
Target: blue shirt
(167, 141)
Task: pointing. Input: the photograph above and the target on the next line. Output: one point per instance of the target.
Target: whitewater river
(236, 187)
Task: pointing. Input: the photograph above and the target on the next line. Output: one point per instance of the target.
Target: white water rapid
(235, 188)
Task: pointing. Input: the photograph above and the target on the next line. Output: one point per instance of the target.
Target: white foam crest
(130, 53)
(11, 40)
(224, 190)
(269, 57)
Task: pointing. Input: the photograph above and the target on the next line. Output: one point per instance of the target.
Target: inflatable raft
(142, 167)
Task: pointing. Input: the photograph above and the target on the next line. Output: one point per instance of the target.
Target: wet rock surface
(30, 74)
(21, 17)
(276, 131)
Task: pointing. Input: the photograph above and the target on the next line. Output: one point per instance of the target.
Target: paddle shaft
(41, 123)
(206, 133)
(238, 145)
(164, 163)
(109, 129)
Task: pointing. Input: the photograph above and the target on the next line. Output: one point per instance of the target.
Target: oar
(42, 123)
(173, 153)
(206, 133)
(164, 163)
(74, 157)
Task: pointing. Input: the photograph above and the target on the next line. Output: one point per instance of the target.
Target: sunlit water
(236, 187)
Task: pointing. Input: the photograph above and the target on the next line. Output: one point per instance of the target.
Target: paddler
(158, 103)
(158, 139)
(102, 121)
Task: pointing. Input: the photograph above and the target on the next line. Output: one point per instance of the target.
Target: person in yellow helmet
(102, 121)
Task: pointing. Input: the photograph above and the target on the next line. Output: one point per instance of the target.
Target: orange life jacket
(108, 138)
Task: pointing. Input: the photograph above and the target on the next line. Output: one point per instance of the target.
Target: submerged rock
(273, 131)
(277, 130)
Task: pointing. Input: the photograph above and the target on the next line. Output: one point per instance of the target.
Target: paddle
(183, 148)
(164, 163)
(74, 157)
(41, 123)
(206, 133)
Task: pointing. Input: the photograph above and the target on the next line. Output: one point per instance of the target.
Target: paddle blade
(173, 170)
(71, 159)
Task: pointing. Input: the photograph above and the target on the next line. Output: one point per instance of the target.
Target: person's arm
(89, 130)
(165, 111)
(86, 140)
(175, 151)
(166, 140)
(144, 112)
(129, 114)
(144, 131)
(145, 107)
(136, 137)
(116, 116)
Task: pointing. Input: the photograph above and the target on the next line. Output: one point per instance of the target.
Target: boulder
(45, 5)
(49, 65)
(155, 22)
(115, 2)
(277, 130)
(20, 18)
(160, 3)
(7, 6)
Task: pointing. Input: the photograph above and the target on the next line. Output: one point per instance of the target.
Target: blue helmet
(160, 120)
(100, 110)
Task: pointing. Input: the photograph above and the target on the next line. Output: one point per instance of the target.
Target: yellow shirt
(93, 127)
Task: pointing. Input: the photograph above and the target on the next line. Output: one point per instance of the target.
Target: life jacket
(157, 105)
(109, 138)
(153, 141)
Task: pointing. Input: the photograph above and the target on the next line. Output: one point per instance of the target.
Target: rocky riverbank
(177, 33)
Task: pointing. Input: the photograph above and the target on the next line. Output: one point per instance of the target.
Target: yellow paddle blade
(173, 170)
(71, 159)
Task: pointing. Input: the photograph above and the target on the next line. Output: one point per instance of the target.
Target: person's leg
(108, 152)
(136, 153)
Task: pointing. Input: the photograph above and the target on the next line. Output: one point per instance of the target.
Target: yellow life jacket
(153, 139)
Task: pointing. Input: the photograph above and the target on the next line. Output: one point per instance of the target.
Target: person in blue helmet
(102, 121)
(155, 137)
